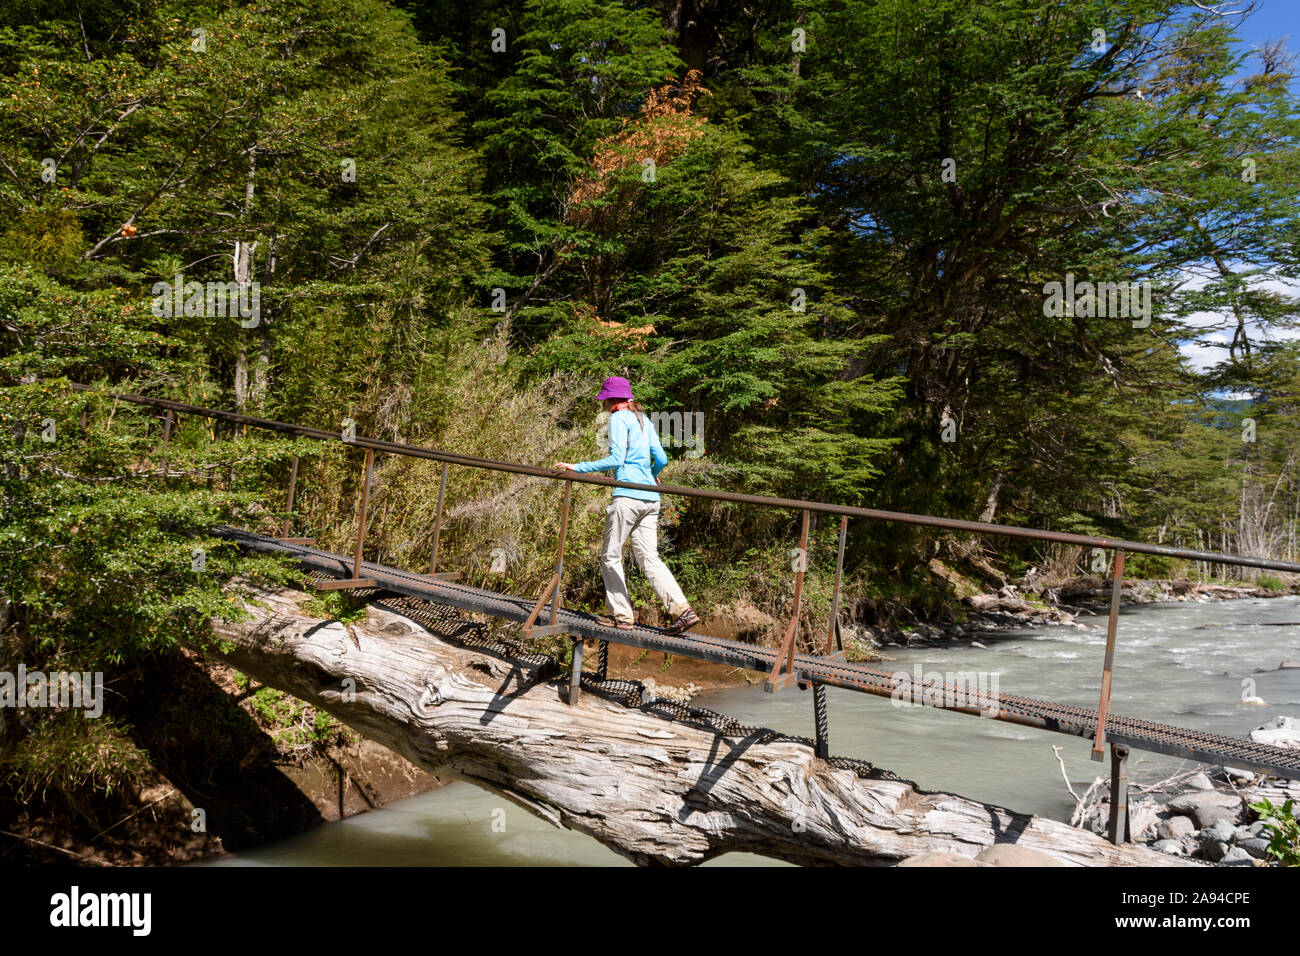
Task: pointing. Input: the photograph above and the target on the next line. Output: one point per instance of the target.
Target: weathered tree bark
(654, 790)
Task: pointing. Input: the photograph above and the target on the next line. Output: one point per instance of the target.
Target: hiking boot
(685, 621)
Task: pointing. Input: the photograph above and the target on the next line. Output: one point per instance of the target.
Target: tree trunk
(243, 266)
(243, 269)
(655, 790)
(991, 503)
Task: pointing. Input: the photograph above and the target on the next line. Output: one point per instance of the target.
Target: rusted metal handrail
(794, 504)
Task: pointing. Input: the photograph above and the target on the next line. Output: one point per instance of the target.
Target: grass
(297, 728)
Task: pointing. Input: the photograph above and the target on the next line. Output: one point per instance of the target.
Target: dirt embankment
(232, 765)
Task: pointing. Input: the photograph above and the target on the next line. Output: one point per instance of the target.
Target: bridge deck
(1047, 715)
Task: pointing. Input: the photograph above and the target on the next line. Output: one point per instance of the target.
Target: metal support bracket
(782, 675)
(343, 584)
(551, 585)
(1118, 795)
(547, 630)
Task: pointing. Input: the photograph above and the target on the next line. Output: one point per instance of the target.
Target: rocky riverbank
(1203, 816)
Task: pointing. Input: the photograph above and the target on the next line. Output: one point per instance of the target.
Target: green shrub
(1283, 830)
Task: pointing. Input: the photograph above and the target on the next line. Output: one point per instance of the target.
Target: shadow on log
(658, 791)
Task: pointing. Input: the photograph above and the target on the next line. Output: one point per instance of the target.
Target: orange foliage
(636, 336)
(661, 131)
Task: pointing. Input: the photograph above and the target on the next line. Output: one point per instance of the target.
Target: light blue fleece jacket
(635, 454)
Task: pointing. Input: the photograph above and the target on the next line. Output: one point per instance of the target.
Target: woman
(635, 455)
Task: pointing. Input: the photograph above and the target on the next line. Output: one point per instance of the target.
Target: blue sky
(1274, 19)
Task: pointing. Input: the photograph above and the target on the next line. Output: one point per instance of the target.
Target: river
(1181, 663)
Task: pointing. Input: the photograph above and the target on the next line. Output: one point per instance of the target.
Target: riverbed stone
(1215, 850)
(1206, 807)
(1172, 847)
(1199, 781)
(1175, 828)
(1236, 856)
(1238, 775)
(1256, 846)
(1008, 854)
(939, 858)
(1207, 816)
(1219, 830)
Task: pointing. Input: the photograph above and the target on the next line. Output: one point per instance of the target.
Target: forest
(1017, 261)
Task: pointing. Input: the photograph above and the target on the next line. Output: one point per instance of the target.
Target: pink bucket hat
(615, 387)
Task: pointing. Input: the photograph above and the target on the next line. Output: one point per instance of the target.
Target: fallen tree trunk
(655, 790)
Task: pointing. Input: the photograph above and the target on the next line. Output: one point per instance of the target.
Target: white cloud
(1210, 347)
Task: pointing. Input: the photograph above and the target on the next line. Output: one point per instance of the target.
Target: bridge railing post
(833, 639)
(287, 525)
(783, 668)
(357, 581)
(559, 559)
(365, 506)
(1111, 627)
(437, 522)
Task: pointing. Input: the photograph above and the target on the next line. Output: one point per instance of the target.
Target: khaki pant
(631, 517)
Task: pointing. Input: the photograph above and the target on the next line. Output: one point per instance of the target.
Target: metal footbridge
(783, 665)
(809, 668)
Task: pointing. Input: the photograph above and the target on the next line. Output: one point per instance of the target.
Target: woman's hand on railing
(563, 465)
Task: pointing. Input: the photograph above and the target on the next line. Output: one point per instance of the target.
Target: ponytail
(640, 412)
